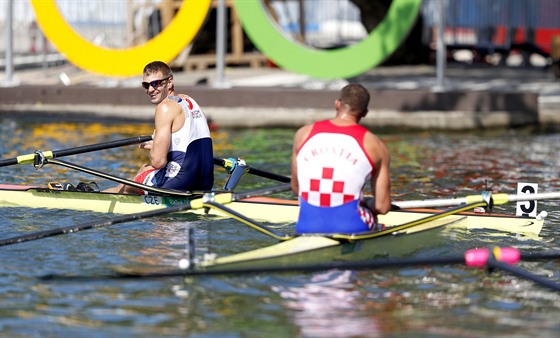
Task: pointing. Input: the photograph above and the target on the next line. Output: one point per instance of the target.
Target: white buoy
(184, 264)
(542, 215)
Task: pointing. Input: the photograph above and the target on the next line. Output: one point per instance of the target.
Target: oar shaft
(516, 271)
(193, 204)
(253, 171)
(77, 150)
(134, 184)
(345, 265)
(245, 220)
(534, 197)
(95, 224)
(266, 174)
(497, 198)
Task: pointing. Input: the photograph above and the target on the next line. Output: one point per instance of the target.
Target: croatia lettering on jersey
(332, 169)
(333, 165)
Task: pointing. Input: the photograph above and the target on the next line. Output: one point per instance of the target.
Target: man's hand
(369, 202)
(146, 145)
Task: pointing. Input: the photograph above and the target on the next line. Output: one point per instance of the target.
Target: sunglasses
(155, 83)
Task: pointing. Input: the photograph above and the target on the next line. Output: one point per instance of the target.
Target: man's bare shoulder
(371, 137)
(166, 106)
(301, 134)
(374, 144)
(305, 128)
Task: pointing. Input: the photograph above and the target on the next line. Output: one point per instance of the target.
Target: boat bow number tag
(289, 54)
(527, 208)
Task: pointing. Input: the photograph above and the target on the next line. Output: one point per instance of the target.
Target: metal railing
(484, 25)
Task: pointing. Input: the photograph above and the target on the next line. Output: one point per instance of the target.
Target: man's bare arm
(299, 137)
(162, 135)
(381, 179)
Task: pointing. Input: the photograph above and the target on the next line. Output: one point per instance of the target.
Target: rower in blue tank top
(181, 155)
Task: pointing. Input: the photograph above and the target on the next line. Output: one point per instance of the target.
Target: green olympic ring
(329, 64)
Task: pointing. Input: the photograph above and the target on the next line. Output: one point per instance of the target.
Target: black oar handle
(257, 172)
(11, 161)
(78, 150)
(102, 146)
(266, 174)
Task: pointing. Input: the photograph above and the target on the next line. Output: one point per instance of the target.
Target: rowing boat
(44, 197)
(276, 210)
(264, 209)
(407, 233)
(319, 249)
(408, 230)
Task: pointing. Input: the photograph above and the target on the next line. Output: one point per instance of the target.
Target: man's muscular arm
(299, 137)
(381, 179)
(164, 116)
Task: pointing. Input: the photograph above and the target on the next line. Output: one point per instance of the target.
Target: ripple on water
(436, 301)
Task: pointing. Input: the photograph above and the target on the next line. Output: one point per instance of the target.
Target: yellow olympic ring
(121, 62)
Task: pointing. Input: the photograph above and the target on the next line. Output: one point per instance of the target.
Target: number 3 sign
(288, 54)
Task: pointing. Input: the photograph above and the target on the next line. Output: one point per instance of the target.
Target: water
(428, 301)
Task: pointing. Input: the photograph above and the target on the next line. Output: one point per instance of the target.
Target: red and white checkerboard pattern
(327, 191)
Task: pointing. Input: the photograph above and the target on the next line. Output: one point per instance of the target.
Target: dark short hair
(158, 66)
(356, 97)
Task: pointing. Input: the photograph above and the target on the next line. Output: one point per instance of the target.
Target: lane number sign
(527, 208)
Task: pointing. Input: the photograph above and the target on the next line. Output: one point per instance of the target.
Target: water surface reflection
(419, 301)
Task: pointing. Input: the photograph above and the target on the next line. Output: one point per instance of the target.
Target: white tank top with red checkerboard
(332, 164)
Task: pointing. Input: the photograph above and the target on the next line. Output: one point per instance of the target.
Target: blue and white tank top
(190, 159)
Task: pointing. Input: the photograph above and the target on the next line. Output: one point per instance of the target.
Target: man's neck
(343, 118)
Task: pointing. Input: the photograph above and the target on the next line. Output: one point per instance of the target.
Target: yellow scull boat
(264, 209)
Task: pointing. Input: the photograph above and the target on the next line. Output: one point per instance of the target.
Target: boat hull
(263, 209)
(39, 197)
(272, 210)
(310, 250)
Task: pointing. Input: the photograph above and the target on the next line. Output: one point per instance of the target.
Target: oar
(407, 225)
(29, 158)
(191, 205)
(131, 183)
(168, 192)
(230, 164)
(504, 258)
(496, 198)
(343, 237)
(246, 220)
(473, 258)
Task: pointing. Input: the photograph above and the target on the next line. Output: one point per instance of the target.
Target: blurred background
(512, 33)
